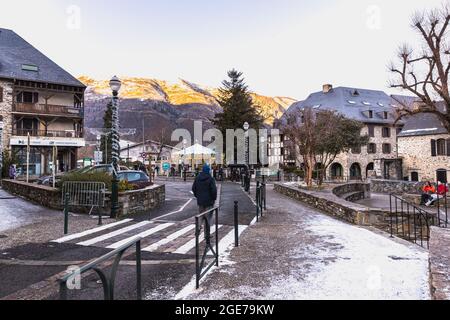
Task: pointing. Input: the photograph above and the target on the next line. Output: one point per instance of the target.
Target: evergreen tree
(106, 141)
(237, 105)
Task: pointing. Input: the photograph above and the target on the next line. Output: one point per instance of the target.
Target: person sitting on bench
(427, 190)
(442, 191)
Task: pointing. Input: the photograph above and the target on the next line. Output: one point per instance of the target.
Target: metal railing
(108, 283)
(83, 194)
(48, 133)
(410, 222)
(203, 222)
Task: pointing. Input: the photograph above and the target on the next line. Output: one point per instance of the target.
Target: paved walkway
(299, 253)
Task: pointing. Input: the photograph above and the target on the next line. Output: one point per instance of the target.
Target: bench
(417, 198)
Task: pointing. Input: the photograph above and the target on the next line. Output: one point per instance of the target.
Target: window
(30, 67)
(371, 148)
(415, 176)
(387, 148)
(1, 94)
(370, 114)
(366, 103)
(386, 132)
(28, 97)
(351, 102)
(440, 147)
(372, 131)
(380, 104)
(356, 150)
(386, 115)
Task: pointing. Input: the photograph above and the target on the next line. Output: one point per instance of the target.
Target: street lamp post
(247, 156)
(115, 85)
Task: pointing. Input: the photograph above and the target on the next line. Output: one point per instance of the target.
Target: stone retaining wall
(337, 207)
(130, 202)
(440, 263)
(353, 192)
(395, 187)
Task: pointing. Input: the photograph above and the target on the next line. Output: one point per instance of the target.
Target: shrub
(87, 177)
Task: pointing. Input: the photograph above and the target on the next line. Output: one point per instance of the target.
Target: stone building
(376, 110)
(424, 146)
(39, 100)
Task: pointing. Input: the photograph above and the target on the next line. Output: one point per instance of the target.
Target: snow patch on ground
(358, 265)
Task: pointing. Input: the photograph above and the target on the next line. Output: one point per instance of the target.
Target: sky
(283, 47)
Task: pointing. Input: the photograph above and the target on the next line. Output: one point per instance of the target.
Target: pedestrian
(12, 172)
(205, 190)
(442, 191)
(427, 190)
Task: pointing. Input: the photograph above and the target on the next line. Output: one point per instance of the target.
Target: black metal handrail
(413, 218)
(107, 282)
(201, 220)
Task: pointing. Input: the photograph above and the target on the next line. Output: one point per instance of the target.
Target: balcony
(48, 109)
(47, 133)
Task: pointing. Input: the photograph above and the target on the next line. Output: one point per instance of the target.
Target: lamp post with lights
(115, 85)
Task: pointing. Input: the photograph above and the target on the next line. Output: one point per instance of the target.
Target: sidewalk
(297, 253)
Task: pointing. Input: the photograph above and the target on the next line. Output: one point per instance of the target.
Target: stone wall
(416, 154)
(6, 111)
(396, 187)
(353, 191)
(440, 263)
(42, 195)
(130, 202)
(339, 208)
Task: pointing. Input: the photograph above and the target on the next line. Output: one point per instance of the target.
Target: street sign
(166, 166)
(98, 156)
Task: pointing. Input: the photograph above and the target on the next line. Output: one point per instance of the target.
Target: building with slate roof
(424, 146)
(41, 100)
(376, 110)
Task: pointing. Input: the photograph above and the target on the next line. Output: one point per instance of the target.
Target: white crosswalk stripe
(143, 235)
(92, 231)
(169, 239)
(191, 244)
(113, 234)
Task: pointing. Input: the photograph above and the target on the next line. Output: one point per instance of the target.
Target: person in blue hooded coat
(205, 190)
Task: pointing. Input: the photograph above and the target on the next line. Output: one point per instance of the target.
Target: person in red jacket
(442, 191)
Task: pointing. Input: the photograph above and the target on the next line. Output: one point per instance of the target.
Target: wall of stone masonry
(5, 111)
(395, 187)
(130, 202)
(416, 154)
(440, 263)
(353, 191)
(336, 207)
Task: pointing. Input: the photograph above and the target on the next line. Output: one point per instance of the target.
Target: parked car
(133, 176)
(48, 180)
(106, 168)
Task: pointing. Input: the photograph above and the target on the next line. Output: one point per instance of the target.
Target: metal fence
(108, 282)
(83, 194)
(203, 222)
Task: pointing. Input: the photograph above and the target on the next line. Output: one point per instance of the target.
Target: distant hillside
(164, 105)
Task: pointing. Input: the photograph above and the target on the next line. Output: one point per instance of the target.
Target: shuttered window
(433, 148)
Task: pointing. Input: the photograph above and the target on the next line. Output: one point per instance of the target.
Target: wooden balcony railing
(47, 133)
(49, 109)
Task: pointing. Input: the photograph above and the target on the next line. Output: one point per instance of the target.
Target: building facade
(424, 146)
(376, 110)
(41, 107)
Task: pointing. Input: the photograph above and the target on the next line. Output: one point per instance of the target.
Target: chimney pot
(327, 88)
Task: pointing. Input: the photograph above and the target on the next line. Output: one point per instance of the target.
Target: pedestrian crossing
(157, 236)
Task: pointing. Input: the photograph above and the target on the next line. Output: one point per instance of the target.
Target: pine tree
(237, 105)
(106, 142)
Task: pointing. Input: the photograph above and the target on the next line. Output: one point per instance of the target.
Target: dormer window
(381, 104)
(385, 115)
(351, 102)
(355, 93)
(366, 103)
(370, 114)
(30, 67)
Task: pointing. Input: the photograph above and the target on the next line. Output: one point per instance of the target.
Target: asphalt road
(168, 249)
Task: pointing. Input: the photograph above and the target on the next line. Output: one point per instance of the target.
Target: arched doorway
(355, 172)
(441, 175)
(370, 167)
(337, 171)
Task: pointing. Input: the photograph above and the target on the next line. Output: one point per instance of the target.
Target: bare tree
(425, 73)
(162, 140)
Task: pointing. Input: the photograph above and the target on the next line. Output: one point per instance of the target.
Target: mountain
(164, 106)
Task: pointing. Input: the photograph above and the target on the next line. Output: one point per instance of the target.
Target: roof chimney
(327, 88)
